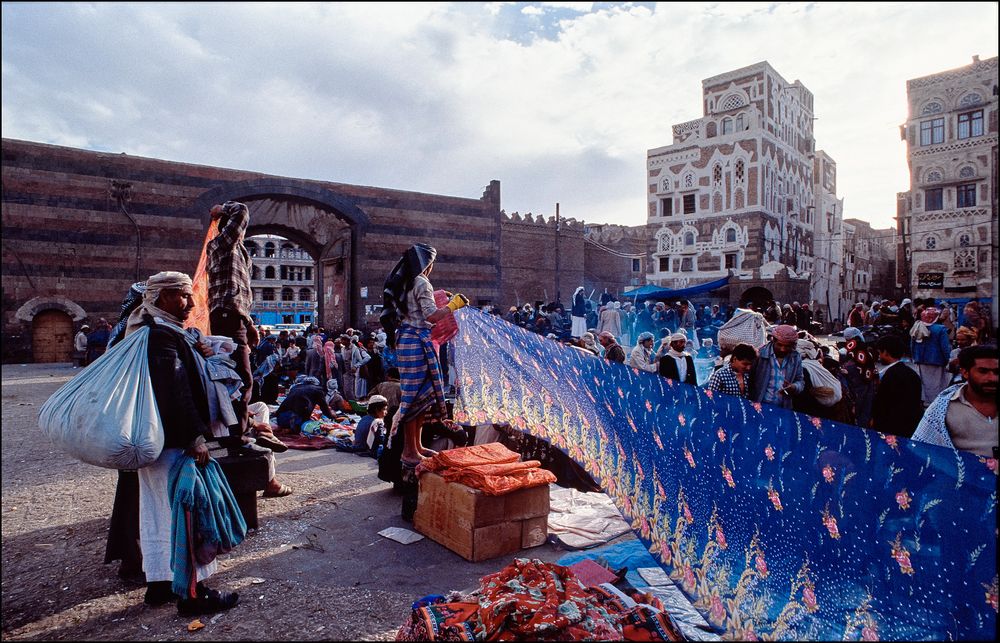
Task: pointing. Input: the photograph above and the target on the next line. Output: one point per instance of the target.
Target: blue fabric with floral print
(775, 524)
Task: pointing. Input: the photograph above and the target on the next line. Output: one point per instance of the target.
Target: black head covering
(130, 303)
(413, 262)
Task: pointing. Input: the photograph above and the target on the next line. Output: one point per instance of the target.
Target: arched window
(305, 294)
(933, 107)
(934, 176)
(287, 294)
(964, 240)
(688, 238)
(970, 100)
(268, 249)
(267, 294)
(730, 236)
(740, 171)
(967, 172)
(269, 272)
(717, 175)
(251, 248)
(930, 243)
(731, 101)
(727, 126)
(710, 130)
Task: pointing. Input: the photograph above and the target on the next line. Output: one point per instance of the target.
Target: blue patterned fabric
(775, 524)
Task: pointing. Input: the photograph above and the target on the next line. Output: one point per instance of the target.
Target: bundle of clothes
(491, 468)
(531, 600)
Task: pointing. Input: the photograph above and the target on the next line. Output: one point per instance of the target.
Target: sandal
(281, 492)
(271, 442)
(209, 602)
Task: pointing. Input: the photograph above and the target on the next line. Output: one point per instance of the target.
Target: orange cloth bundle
(199, 316)
(491, 468)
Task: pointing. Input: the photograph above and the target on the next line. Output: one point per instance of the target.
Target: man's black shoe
(209, 601)
(159, 593)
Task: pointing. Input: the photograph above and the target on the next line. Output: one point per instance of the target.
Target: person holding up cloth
(230, 297)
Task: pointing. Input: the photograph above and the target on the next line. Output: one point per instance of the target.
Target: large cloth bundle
(744, 327)
(107, 415)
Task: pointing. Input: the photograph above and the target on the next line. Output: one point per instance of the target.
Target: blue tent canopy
(642, 293)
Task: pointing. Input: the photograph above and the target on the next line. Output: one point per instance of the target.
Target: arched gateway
(330, 227)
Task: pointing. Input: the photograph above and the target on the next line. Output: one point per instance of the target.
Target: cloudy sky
(558, 100)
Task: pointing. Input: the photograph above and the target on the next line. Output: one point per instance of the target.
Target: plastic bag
(107, 416)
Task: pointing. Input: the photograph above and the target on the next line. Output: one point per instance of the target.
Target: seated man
(370, 425)
(298, 405)
(259, 427)
(390, 390)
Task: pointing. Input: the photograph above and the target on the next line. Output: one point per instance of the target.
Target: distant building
(869, 264)
(735, 193)
(947, 221)
(282, 281)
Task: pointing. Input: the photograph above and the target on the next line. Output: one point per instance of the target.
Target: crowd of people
(244, 386)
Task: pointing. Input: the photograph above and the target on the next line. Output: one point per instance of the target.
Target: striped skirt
(422, 391)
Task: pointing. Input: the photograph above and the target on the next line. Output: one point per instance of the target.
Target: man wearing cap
(613, 351)
(676, 363)
(777, 372)
(80, 346)
(931, 350)
(641, 357)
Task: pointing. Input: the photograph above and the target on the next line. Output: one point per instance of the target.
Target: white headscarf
(166, 280)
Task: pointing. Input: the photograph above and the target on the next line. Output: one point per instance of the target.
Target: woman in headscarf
(408, 315)
(315, 364)
(331, 366)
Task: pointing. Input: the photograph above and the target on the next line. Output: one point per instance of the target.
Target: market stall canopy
(649, 291)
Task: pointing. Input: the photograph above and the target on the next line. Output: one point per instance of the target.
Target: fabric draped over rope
(775, 524)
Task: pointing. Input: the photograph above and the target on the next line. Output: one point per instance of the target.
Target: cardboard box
(477, 526)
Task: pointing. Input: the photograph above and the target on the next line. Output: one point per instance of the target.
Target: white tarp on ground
(580, 520)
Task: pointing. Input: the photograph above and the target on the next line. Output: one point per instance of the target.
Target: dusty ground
(316, 569)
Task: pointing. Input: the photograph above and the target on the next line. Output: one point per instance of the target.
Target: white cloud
(560, 101)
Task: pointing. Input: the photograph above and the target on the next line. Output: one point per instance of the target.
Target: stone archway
(329, 226)
(758, 296)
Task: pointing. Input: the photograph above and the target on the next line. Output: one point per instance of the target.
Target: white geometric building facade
(948, 219)
(736, 190)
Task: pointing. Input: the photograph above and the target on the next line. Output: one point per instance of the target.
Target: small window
(933, 199)
(689, 180)
(268, 249)
(970, 124)
(933, 107)
(664, 264)
(637, 265)
(730, 236)
(687, 264)
(727, 126)
(964, 241)
(309, 274)
(287, 294)
(932, 131)
(267, 294)
(740, 125)
(667, 207)
(967, 172)
(731, 261)
(930, 243)
(666, 185)
(689, 204)
(717, 174)
(967, 195)
(688, 238)
(269, 272)
(305, 294)
(933, 176)
(284, 273)
(739, 171)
